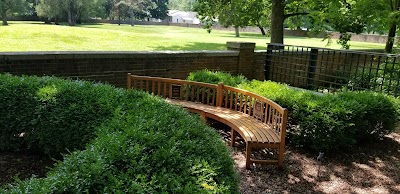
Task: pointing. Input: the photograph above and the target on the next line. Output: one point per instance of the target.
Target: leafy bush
(51, 115)
(331, 121)
(215, 77)
(141, 144)
(384, 78)
(325, 121)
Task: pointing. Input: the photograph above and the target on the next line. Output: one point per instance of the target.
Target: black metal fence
(328, 69)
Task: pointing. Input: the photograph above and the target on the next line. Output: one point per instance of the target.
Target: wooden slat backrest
(244, 101)
(189, 91)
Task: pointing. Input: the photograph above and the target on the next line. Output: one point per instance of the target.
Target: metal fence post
(268, 62)
(312, 67)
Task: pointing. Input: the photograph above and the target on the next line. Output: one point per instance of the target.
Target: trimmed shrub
(51, 115)
(142, 145)
(329, 121)
(215, 77)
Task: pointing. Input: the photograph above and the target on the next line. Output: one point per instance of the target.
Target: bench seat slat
(253, 129)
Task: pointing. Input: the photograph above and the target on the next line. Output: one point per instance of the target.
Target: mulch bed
(373, 168)
(22, 165)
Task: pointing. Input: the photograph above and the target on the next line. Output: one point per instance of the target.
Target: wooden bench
(260, 121)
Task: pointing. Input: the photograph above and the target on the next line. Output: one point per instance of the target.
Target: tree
(384, 15)
(11, 6)
(258, 14)
(252, 12)
(228, 12)
(183, 5)
(49, 9)
(160, 10)
(136, 8)
(76, 9)
(359, 16)
(73, 9)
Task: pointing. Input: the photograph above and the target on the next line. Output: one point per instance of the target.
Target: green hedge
(46, 111)
(331, 121)
(215, 77)
(133, 142)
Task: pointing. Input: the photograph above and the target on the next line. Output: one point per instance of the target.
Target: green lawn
(34, 36)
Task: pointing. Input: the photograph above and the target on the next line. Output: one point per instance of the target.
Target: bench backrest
(220, 95)
(175, 89)
(261, 108)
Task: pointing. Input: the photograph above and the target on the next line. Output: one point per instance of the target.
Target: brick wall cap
(241, 45)
(111, 54)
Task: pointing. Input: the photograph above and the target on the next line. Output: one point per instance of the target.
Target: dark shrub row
(330, 121)
(131, 143)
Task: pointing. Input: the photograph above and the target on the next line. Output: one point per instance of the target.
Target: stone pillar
(247, 64)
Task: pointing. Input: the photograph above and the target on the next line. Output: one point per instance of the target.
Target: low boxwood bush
(137, 144)
(330, 121)
(51, 115)
(215, 77)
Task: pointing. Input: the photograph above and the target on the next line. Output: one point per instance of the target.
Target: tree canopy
(343, 16)
(8, 7)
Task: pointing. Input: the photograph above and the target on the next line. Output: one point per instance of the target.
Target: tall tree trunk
(71, 18)
(392, 30)
(237, 34)
(4, 18)
(262, 30)
(277, 19)
(47, 20)
(391, 37)
(132, 18)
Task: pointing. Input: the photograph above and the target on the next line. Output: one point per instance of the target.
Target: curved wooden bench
(260, 121)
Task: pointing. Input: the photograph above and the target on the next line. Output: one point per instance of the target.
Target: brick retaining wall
(112, 67)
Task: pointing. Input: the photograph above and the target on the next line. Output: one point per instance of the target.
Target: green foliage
(145, 146)
(237, 13)
(51, 115)
(11, 7)
(322, 121)
(331, 121)
(344, 40)
(215, 77)
(384, 78)
(182, 5)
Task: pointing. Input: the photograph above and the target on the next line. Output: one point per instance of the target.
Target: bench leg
(203, 116)
(280, 156)
(248, 154)
(233, 137)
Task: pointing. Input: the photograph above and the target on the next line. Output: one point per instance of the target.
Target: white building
(183, 17)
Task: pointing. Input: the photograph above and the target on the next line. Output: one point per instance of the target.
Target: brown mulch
(373, 168)
(22, 165)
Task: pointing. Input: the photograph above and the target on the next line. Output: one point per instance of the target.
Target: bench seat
(251, 129)
(255, 133)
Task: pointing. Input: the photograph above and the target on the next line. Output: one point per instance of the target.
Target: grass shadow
(193, 46)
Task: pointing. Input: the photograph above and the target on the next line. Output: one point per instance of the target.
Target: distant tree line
(76, 10)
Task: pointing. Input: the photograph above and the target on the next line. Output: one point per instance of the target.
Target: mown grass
(36, 36)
